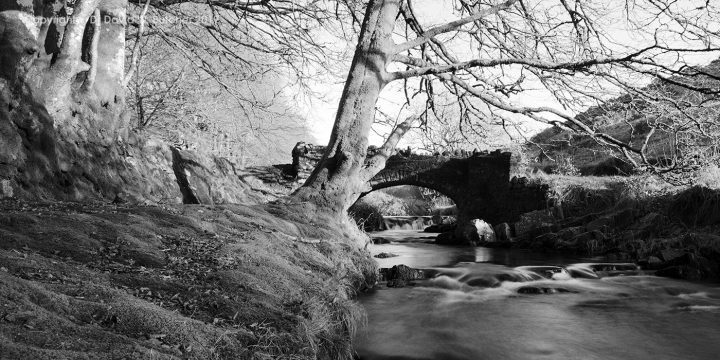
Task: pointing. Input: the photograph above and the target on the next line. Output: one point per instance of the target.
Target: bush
(709, 177)
(367, 216)
(697, 206)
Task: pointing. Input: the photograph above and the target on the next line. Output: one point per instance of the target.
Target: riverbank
(183, 281)
(668, 229)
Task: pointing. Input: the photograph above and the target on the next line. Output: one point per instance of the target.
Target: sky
(320, 112)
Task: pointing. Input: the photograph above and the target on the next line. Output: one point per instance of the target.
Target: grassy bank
(639, 218)
(191, 282)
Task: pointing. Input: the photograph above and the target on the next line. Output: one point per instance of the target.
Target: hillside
(684, 129)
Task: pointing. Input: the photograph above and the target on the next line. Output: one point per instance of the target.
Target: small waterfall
(536, 279)
(597, 270)
(407, 222)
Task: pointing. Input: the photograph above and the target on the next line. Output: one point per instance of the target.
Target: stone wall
(305, 157)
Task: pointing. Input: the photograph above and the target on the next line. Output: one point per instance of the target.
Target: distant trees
(492, 51)
(78, 58)
(250, 121)
(234, 63)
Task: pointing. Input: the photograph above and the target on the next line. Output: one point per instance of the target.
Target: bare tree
(492, 51)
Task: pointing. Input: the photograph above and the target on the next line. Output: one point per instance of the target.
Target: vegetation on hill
(677, 128)
(235, 111)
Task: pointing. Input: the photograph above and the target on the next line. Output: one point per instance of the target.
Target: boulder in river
(475, 232)
(503, 232)
(540, 290)
(446, 238)
(380, 240)
(401, 275)
(440, 228)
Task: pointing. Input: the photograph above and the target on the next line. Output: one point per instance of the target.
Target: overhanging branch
(434, 69)
(431, 33)
(377, 161)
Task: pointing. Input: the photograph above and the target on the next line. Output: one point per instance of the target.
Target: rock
(691, 265)
(680, 272)
(571, 232)
(446, 238)
(628, 236)
(598, 235)
(651, 263)
(440, 228)
(401, 275)
(617, 256)
(602, 224)
(538, 290)
(648, 225)
(624, 218)
(437, 220)
(614, 269)
(530, 222)
(474, 232)
(582, 272)
(671, 254)
(654, 261)
(548, 272)
(380, 240)
(385, 255)
(566, 245)
(577, 221)
(587, 242)
(503, 232)
(545, 241)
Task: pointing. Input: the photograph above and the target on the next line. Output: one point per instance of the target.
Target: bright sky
(321, 112)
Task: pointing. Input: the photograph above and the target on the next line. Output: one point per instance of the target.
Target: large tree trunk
(339, 178)
(69, 132)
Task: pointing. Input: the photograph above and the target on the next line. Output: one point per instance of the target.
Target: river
(514, 304)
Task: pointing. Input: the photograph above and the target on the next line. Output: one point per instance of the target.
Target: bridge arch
(478, 183)
(432, 186)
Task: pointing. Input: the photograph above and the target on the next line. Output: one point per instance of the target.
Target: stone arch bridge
(479, 183)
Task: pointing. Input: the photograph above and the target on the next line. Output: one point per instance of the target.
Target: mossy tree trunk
(53, 58)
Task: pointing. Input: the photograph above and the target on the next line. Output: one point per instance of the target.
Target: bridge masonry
(478, 182)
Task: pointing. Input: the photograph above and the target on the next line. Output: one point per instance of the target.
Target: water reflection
(416, 249)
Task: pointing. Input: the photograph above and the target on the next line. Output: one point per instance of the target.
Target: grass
(645, 216)
(194, 282)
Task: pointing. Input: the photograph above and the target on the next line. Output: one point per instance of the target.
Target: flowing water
(511, 304)
(409, 222)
